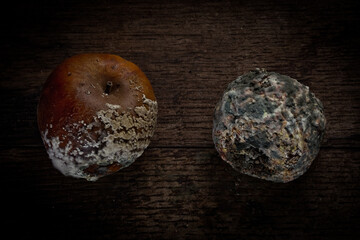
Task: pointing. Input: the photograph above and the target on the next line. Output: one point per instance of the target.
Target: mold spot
(268, 126)
(114, 139)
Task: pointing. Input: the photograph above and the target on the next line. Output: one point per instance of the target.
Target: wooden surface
(180, 188)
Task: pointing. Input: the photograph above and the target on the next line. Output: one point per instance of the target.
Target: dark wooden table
(180, 188)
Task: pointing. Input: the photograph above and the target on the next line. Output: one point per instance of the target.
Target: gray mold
(268, 126)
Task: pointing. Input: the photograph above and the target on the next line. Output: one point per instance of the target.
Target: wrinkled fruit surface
(268, 126)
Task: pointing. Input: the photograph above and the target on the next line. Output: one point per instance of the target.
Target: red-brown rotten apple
(96, 115)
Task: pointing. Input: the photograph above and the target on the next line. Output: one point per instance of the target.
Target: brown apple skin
(90, 131)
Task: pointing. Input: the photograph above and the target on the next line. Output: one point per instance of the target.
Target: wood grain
(182, 194)
(190, 51)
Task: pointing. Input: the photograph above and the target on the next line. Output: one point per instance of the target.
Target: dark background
(180, 188)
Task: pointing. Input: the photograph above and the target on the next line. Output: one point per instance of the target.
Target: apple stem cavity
(109, 85)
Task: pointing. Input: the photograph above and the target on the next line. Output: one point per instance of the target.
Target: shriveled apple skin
(87, 131)
(269, 126)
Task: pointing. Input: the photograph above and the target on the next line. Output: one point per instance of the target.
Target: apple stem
(108, 87)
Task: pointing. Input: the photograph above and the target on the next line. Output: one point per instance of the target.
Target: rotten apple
(96, 115)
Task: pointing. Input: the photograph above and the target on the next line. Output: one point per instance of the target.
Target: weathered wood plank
(190, 52)
(181, 194)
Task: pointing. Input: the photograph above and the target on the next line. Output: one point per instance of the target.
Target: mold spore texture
(268, 126)
(115, 135)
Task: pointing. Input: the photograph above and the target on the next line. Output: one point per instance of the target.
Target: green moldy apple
(269, 126)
